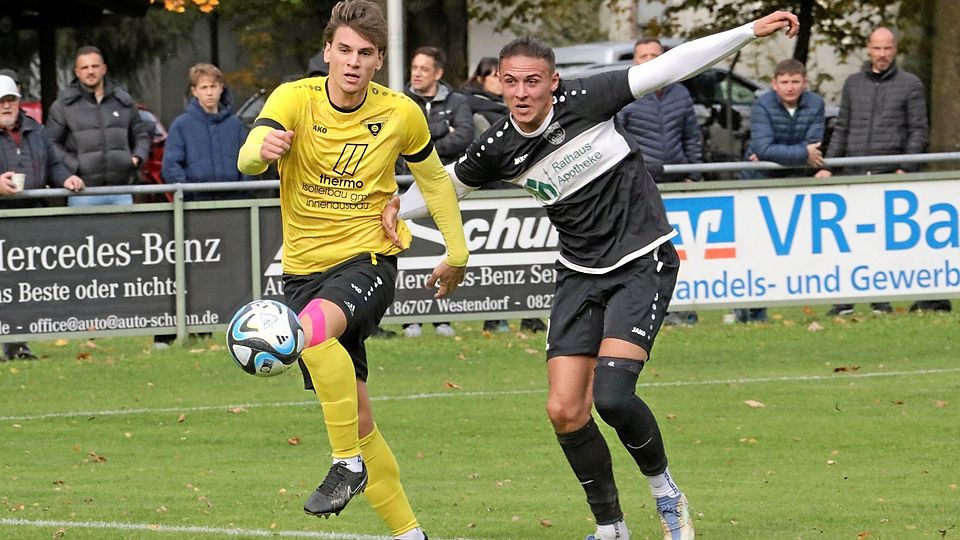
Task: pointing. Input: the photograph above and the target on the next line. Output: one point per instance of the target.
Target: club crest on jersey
(555, 134)
(375, 125)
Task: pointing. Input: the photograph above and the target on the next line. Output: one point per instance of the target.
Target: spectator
(664, 126)
(25, 150)
(787, 126)
(96, 129)
(451, 127)
(882, 112)
(485, 95)
(202, 146)
(205, 140)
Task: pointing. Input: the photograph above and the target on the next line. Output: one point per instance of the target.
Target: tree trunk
(441, 24)
(945, 108)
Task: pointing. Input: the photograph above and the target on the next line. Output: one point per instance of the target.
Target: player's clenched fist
(275, 144)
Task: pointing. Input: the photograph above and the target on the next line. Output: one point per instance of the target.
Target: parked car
(723, 100)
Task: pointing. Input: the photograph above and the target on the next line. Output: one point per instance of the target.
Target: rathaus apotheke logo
(704, 225)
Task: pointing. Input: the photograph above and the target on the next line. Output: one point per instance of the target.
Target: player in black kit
(617, 267)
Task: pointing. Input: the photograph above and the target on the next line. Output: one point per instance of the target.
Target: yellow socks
(384, 490)
(335, 383)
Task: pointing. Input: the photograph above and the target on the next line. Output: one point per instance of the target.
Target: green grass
(858, 436)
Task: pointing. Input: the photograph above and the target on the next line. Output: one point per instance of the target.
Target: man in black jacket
(95, 126)
(450, 120)
(883, 111)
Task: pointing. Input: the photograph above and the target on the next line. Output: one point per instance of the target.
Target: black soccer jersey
(581, 168)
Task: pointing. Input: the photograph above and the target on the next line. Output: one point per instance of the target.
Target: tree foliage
(842, 24)
(558, 22)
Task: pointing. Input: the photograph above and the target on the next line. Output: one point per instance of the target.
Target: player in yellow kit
(335, 140)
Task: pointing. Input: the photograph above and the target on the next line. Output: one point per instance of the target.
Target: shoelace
(334, 478)
(675, 510)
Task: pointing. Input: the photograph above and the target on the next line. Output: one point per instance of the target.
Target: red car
(150, 172)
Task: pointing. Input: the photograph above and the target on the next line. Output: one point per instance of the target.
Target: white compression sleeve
(686, 60)
(413, 205)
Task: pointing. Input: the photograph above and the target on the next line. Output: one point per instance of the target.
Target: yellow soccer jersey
(339, 172)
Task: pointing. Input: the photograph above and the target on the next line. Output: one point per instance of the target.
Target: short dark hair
(363, 17)
(789, 67)
(485, 68)
(528, 46)
(89, 49)
(439, 58)
(646, 40)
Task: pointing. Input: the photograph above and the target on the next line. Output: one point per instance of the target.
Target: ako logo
(705, 227)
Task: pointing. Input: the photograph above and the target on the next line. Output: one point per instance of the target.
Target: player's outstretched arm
(441, 200)
(689, 59)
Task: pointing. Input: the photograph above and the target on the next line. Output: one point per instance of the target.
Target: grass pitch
(803, 427)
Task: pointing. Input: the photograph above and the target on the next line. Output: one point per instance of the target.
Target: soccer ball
(265, 338)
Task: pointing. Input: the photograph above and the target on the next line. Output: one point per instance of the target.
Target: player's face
(882, 49)
(90, 70)
(208, 91)
(528, 85)
(353, 62)
(424, 75)
(788, 87)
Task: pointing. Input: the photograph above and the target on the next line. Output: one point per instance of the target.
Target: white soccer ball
(264, 338)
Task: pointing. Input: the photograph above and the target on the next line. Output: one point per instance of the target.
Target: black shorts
(363, 287)
(628, 303)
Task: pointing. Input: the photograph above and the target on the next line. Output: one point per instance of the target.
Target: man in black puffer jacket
(882, 112)
(95, 127)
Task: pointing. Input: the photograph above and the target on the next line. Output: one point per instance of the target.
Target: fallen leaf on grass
(953, 486)
(749, 440)
(162, 510)
(461, 357)
(789, 323)
(127, 434)
(845, 369)
(83, 356)
(61, 343)
(91, 344)
(940, 404)
(897, 402)
(237, 410)
(59, 534)
(863, 534)
(755, 404)
(814, 327)
(531, 351)
(671, 416)
(455, 386)
(808, 311)
(546, 523)
(181, 418)
(293, 441)
(471, 525)
(215, 346)
(197, 351)
(831, 462)
(97, 458)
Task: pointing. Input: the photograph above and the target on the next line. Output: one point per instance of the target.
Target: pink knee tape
(318, 322)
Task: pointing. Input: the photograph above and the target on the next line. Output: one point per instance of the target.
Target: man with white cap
(27, 161)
